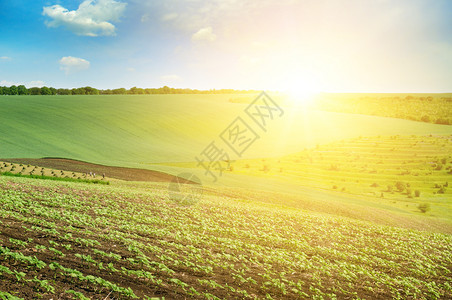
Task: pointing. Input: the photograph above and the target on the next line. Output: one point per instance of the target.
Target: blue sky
(318, 45)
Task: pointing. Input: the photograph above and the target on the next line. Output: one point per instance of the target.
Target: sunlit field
(131, 241)
(185, 149)
(325, 204)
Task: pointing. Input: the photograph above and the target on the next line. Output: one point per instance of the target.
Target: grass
(136, 131)
(364, 211)
(398, 171)
(128, 240)
(429, 108)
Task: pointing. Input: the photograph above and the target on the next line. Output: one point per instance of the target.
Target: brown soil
(129, 174)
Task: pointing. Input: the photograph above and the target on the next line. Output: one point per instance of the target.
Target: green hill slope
(124, 242)
(136, 130)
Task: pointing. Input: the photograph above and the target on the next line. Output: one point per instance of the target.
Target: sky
(304, 45)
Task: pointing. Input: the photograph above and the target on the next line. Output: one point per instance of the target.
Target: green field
(325, 204)
(398, 173)
(134, 130)
(129, 241)
(429, 108)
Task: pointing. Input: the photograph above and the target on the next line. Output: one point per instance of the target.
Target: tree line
(87, 90)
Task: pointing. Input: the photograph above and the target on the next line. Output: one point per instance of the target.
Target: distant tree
(22, 90)
(165, 90)
(64, 92)
(136, 91)
(400, 186)
(120, 91)
(45, 91)
(79, 91)
(425, 118)
(91, 91)
(34, 91)
(442, 121)
(424, 207)
(106, 92)
(13, 90)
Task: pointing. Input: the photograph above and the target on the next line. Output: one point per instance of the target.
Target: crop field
(84, 241)
(136, 130)
(429, 108)
(74, 169)
(404, 172)
(340, 206)
(230, 149)
(408, 169)
(21, 170)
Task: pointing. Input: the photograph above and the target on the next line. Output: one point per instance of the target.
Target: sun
(300, 89)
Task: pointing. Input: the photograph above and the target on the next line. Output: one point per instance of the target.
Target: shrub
(334, 168)
(409, 193)
(390, 188)
(417, 193)
(374, 184)
(424, 207)
(400, 186)
(442, 190)
(425, 118)
(442, 121)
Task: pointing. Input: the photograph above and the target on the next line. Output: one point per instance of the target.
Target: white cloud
(252, 60)
(36, 83)
(71, 64)
(5, 58)
(145, 18)
(92, 18)
(204, 34)
(169, 17)
(131, 69)
(7, 83)
(170, 78)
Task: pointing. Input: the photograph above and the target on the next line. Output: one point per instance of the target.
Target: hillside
(77, 240)
(134, 131)
(428, 108)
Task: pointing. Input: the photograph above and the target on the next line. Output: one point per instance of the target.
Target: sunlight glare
(300, 91)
